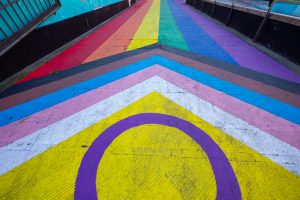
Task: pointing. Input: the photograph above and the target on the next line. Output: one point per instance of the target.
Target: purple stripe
(244, 54)
(227, 184)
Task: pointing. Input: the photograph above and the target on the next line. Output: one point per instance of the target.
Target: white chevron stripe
(24, 149)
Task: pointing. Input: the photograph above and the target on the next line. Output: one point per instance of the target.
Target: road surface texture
(158, 103)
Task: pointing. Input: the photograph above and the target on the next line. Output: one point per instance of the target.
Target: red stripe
(76, 54)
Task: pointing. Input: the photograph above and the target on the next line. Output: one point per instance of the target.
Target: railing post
(263, 24)
(230, 13)
(213, 8)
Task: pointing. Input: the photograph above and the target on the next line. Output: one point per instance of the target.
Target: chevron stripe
(290, 113)
(63, 131)
(245, 111)
(46, 85)
(14, 154)
(128, 156)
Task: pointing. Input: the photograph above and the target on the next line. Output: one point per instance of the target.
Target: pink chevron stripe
(23, 127)
(255, 116)
(263, 120)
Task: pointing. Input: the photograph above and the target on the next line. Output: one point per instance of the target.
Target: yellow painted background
(52, 175)
(155, 162)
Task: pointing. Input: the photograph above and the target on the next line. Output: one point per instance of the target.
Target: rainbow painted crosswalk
(156, 104)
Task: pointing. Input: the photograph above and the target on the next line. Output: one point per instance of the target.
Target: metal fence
(286, 7)
(285, 10)
(19, 17)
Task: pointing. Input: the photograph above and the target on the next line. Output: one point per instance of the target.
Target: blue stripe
(198, 40)
(271, 105)
(28, 108)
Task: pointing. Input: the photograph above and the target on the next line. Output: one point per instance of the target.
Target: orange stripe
(77, 53)
(119, 41)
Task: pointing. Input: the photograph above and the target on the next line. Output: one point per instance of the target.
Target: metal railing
(20, 17)
(258, 7)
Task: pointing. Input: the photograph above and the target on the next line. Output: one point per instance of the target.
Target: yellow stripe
(52, 175)
(148, 31)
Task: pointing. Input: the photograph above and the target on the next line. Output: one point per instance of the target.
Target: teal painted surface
(71, 8)
(287, 9)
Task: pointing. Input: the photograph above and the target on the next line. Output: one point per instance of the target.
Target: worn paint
(156, 122)
(273, 176)
(169, 33)
(123, 35)
(148, 31)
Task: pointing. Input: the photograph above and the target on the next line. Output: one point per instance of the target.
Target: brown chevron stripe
(276, 93)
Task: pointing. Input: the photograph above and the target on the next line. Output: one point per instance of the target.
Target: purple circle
(227, 184)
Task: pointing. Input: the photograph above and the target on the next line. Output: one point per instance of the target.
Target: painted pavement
(159, 103)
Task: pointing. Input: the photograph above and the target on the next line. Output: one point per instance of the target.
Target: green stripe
(169, 33)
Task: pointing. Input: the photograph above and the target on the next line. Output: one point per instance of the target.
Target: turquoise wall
(18, 24)
(71, 8)
(287, 9)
